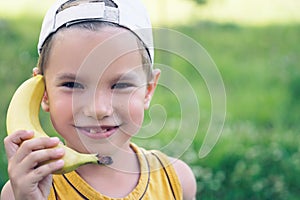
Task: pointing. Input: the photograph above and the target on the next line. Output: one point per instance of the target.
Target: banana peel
(23, 114)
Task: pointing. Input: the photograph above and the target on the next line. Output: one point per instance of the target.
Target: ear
(35, 71)
(45, 102)
(151, 88)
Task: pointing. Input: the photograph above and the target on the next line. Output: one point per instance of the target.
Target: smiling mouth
(101, 131)
(95, 130)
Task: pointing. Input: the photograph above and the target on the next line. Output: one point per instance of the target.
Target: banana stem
(104, 160)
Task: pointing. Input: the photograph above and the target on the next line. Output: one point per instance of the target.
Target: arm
(7, 192)
(29, 179)
(186, 178)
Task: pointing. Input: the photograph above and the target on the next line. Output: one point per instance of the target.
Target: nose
(98, 105)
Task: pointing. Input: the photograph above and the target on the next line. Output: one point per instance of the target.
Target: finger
(19, 136)
(35, 144)
(32, 186)
(40, 157)
(13, 141)
(39, 173)
(35, 160)
(44, 186)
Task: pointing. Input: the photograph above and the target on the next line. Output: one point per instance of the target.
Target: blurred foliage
(292, 114)
(258, 154)
(250, 163)
(200, 1)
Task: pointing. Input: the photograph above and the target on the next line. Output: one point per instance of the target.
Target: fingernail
(59, 163)
(30, 131)
(59, 151)
(54, 139)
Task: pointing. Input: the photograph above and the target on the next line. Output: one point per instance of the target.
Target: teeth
(93, 131)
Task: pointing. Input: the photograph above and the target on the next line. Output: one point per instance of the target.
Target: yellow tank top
(158, 180)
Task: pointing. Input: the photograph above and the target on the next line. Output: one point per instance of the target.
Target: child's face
(96, 97)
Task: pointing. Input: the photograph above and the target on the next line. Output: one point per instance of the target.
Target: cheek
(137, 105)
(136, 112)
(133, 109)
(60, 113)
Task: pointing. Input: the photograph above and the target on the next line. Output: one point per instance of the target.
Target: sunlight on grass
(253, 12)
(17, 8)
(176, 12)
(248, 12)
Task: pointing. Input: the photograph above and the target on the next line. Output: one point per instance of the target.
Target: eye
(73, 85)
(121, 85)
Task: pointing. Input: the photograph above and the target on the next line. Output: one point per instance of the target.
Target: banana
(23, 114)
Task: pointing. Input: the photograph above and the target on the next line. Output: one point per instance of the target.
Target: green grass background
(258, 154)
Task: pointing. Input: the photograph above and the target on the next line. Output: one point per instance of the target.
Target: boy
(96, 57)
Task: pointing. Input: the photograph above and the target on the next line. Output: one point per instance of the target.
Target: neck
(124, 161)
(124, 172)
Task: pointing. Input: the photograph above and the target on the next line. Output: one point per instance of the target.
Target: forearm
(7, 192)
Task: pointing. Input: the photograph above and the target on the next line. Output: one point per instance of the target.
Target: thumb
(14, 140)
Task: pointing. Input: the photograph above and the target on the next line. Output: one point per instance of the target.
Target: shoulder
(186, 178)
(7, 192)
(183, 171)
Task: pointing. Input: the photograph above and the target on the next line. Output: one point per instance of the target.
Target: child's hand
(29, 179)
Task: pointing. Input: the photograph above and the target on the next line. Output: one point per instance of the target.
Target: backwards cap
(129, 13)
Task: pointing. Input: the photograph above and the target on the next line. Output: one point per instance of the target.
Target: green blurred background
(255, 45)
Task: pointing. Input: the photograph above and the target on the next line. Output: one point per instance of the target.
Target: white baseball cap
(129, 13)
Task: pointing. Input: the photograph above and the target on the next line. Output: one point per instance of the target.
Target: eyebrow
(130, 75)
(66, 76)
